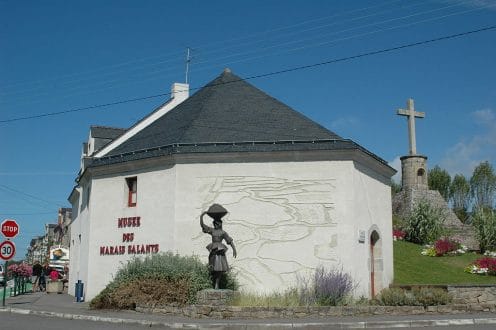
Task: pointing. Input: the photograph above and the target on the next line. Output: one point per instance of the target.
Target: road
(10, 321)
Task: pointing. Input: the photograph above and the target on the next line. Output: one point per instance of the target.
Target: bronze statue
(217, 258)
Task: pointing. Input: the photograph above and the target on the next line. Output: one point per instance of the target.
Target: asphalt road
(10, 321)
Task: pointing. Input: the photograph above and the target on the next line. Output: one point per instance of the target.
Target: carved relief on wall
(281, 226)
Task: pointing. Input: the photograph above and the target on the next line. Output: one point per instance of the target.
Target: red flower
(399, 234)
(446, 245)
(489, 263)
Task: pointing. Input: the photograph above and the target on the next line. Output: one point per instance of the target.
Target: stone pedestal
(214, 297)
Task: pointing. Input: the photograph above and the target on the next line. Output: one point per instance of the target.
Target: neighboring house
(298, 195)
(62, 232)
(36, 250)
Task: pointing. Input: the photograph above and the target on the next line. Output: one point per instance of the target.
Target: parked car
(2, 276)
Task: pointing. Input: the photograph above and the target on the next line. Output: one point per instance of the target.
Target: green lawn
(410, 267)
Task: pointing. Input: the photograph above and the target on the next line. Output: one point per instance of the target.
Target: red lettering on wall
(128, 237)
(129, 222)
(112, 250)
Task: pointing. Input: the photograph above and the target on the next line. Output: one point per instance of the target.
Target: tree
(439, 179)
(483, 185)
(460, 196)
(395, 188)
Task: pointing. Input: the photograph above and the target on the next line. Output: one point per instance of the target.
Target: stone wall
(230, 312)
(466, 299)
(473, 295)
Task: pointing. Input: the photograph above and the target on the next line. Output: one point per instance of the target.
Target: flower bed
(482, 266)
(445, 246)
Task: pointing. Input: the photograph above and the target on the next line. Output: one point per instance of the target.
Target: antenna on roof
(188, 59)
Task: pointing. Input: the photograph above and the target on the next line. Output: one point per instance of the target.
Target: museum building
(298, 195)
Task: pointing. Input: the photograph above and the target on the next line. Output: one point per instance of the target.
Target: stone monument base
(214, 297)
(405, 201)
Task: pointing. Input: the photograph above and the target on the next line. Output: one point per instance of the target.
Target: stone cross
(411, 114)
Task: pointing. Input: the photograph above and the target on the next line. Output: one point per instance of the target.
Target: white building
(298, 195)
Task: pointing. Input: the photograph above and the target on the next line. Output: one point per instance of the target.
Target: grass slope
(410, 267)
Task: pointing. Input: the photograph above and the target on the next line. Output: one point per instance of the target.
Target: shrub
(398, 222)
(327, 287)
(127, 295)
(305, 291)
(422, 296)
(289, 298)
(332, 287)
(484, 221)
(425, 224)
(165, 278)
(431, 296)
(395, 297)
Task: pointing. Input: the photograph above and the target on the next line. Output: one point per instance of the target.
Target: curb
(262, 325)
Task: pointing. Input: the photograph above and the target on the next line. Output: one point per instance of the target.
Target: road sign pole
(4, 284)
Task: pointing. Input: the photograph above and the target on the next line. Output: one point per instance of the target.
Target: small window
(132, 185)
(420, 172)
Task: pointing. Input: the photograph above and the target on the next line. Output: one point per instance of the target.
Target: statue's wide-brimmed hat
(216, 211)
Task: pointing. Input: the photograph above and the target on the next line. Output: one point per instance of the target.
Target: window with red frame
(132, 184)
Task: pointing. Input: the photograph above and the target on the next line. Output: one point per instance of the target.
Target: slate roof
(228, 115)
(104, 132)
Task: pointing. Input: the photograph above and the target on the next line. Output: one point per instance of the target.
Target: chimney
(179, 92)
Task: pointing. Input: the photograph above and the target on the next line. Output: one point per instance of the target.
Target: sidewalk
(64, 306)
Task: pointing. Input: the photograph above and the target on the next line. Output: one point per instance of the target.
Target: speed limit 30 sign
(7, 250)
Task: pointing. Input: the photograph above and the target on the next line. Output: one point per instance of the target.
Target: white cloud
(396, 164)
(483, 4)
(466, 154)
(484, 117)
(344, 123)
(489, 4)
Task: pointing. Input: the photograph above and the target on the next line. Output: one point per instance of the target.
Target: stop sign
(10, 228)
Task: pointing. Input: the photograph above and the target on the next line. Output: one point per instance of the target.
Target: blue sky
(63, 55)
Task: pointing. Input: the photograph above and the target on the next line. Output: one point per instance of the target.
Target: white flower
(490, 253)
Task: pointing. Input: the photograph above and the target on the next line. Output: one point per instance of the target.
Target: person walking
(37, 270)
(44, 274)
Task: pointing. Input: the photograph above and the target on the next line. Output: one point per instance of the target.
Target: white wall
(78, 263)
(286, 218)
(109, 203)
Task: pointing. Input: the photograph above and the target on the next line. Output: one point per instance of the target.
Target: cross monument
(411, 114)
